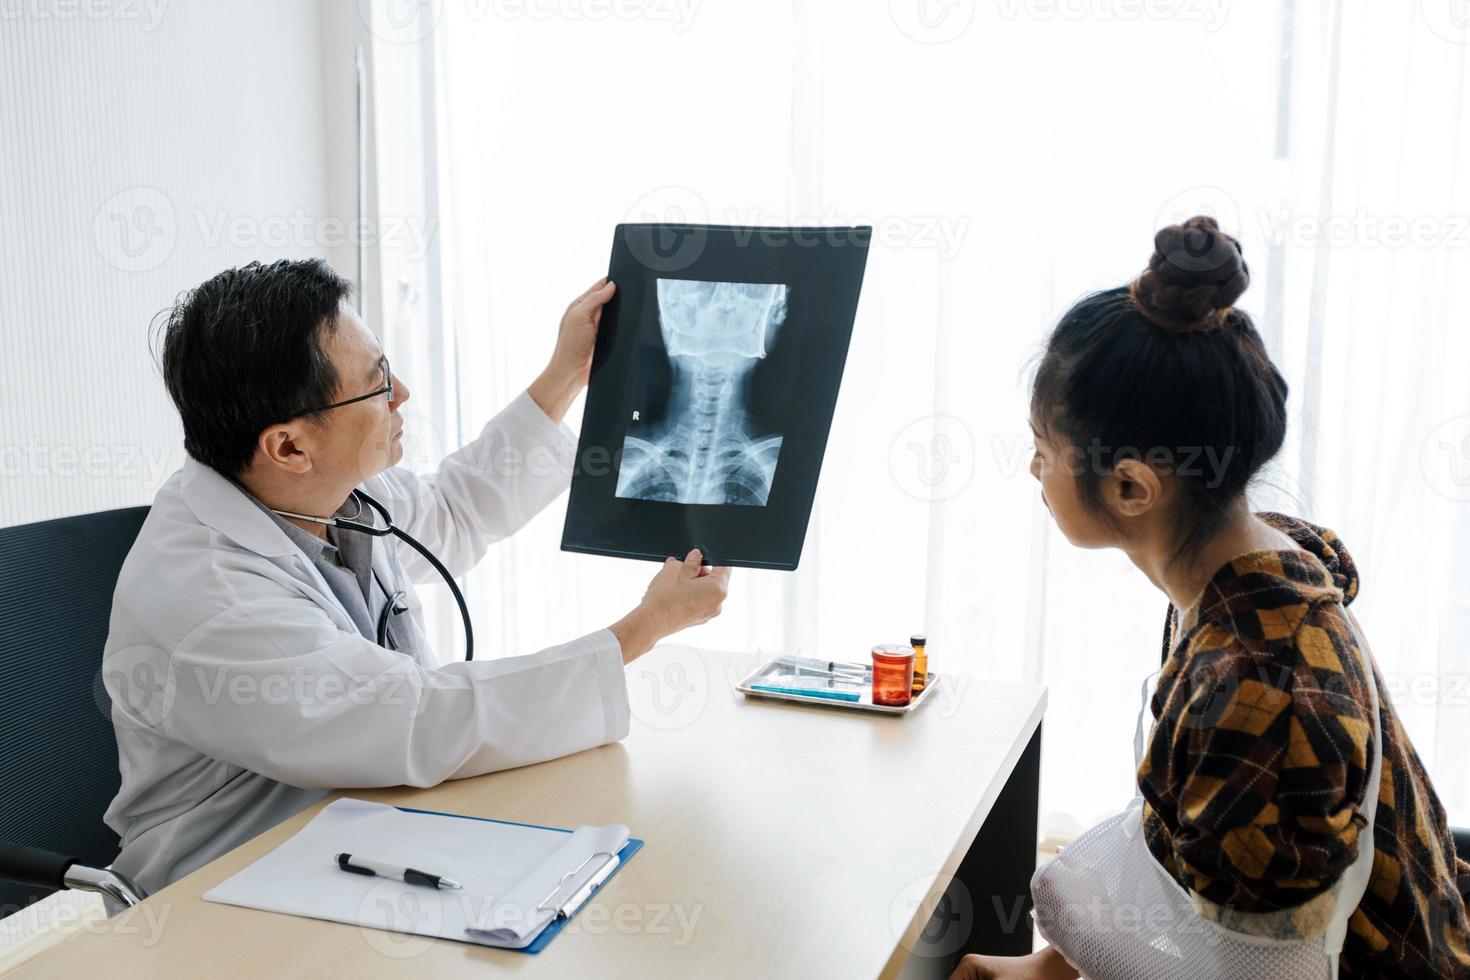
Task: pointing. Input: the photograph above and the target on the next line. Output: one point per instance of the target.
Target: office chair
(59, 754)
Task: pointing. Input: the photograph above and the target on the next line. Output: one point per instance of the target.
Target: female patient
(1154, 405)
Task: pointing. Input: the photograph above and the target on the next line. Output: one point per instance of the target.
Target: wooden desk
(783, 841)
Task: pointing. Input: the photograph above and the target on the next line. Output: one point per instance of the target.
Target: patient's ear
(282, 448)
(1132, 489)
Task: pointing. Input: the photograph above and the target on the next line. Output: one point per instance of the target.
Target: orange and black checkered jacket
(1258, 763)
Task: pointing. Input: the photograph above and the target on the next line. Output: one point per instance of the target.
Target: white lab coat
(242, 691)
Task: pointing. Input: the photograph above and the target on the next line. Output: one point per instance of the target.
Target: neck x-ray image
(705, 449)
(716, 371)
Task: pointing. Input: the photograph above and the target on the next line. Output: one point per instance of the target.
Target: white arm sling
(1113, 911)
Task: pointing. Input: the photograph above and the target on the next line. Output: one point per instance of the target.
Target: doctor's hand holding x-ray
(259, 657)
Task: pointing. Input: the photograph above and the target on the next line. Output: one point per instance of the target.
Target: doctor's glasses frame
(387, 389)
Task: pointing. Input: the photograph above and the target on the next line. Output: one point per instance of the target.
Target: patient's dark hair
(244, 350)
(1167, 365)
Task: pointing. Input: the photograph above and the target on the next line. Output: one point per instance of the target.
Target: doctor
(256, 661)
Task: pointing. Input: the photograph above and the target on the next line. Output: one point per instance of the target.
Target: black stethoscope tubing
(352, 524)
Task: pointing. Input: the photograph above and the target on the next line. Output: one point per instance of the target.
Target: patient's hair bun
(1194, 277)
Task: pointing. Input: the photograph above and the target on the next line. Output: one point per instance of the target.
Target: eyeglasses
(387, 389)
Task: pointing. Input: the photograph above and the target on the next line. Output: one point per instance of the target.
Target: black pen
(380, 869)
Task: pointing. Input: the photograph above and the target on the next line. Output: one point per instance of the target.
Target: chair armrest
(53, 870)
(33, 866)
(114, 884)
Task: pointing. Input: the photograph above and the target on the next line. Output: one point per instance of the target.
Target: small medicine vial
(893, 674)
(921, 662)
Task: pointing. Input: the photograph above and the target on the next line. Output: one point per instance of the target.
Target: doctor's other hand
(682, 594)
(571, 360)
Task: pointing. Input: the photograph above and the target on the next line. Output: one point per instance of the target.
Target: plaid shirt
(1258, 763)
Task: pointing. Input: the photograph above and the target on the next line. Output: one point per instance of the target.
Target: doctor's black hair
(1167, 366)
(244, 350)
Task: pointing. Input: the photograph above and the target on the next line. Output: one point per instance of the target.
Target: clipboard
(299, 878)
(565, 914)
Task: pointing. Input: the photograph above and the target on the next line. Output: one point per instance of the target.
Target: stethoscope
(396, 601)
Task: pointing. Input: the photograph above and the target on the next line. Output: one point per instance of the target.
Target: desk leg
(986, 908)
(998, 867)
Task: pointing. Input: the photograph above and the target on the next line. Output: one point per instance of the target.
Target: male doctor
(256, 661)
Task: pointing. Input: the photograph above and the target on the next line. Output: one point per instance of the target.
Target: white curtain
(1011, 156)
(1369, 217)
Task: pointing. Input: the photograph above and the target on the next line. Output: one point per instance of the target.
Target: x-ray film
(716, 371)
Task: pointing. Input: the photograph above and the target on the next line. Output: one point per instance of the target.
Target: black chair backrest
(58, 755)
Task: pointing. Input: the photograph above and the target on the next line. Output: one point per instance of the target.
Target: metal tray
(865, 690)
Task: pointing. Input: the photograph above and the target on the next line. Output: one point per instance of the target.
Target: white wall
(146, 145)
